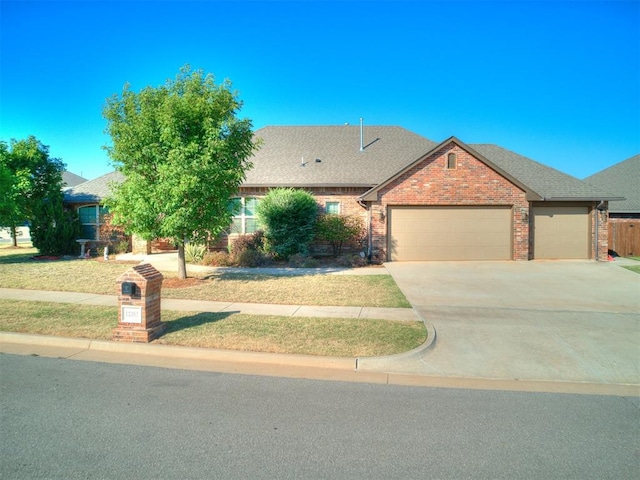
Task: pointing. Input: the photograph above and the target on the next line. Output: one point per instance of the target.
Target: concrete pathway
(399, 314)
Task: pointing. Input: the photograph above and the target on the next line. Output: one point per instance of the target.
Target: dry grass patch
(276, 334)
(335, 290)
(19, 270)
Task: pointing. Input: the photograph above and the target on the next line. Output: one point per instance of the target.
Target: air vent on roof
(361, 134)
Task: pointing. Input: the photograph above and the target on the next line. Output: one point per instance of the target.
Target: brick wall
(471, 183)
(346, 196)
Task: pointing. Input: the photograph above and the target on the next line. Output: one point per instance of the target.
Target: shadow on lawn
(184, 323)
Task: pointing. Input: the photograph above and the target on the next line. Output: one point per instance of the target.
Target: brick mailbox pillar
(139, 305)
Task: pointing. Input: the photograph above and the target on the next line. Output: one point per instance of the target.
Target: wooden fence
(624, 236)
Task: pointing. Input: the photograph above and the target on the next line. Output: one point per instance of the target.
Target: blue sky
(558, 82)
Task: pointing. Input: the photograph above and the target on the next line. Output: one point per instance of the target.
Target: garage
(561, 232)
(449, 233)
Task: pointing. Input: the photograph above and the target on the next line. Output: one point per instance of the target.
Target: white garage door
(449, 233)
(561, 232)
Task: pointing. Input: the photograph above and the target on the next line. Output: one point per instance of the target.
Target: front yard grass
(261, 333)
(18, 270)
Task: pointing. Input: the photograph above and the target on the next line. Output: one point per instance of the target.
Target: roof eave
(583, 199)
(306, 185)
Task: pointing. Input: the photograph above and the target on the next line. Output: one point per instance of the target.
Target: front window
(332, 208)
(244, 215)
(91, 217)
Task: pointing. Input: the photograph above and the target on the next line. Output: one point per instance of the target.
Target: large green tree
(183, 152)
(31, 183)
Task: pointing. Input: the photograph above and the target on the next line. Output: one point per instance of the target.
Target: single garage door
(561, 232)
(449, 233)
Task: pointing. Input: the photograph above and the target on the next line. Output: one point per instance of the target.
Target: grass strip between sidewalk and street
(339, 337)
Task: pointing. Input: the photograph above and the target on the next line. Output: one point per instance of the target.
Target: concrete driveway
(576, 321)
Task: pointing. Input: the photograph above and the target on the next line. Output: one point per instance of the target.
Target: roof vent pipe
(361, 134)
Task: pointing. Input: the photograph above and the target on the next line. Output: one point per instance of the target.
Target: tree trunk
(182, 262)
(14, 235)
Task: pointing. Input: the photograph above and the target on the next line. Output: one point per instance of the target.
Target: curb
(378, 363)
(234, 356)
(288, 366)
(174, 352)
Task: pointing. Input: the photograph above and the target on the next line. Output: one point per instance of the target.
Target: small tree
(288, 216)
(339, 230)
(32, 183)
(183, 153)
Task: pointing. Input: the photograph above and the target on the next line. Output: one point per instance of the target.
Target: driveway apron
(576, 321)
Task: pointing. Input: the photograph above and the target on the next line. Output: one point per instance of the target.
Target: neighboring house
(624, 216)
(70, 179)
(87, 199)
(426, 201)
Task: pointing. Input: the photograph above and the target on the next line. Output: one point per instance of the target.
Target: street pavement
(565, 326)
(64, 419)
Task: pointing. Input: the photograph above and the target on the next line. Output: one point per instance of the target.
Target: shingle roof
(332, 157)
(71, 179)
(624, 179)
(279, 160)
(94, 190)
(537, 180)
(547, 182)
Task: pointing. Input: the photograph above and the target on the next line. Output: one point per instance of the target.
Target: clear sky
(557, 81)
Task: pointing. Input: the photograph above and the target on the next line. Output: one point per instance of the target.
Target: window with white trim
(91, 217)
(332, 208)
(244, 215)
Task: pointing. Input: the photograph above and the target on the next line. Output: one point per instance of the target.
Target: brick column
(139, 290)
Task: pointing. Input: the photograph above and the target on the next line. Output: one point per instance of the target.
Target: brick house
(623, 178)
(426, 201)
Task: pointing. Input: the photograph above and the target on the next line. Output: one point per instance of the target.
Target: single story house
(623, 178)
(421, 200)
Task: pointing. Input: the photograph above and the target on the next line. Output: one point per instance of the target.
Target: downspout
(369, 231)
(597, 232)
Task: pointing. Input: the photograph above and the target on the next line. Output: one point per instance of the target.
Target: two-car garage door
(450, 233)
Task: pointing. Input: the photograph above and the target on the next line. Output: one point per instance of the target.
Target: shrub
(288, 216)
(300, 260)
(216, 259)
(250, 258)
(253, 241)
(113, 236)
(339, 230)
(352, 261)
(194, 252)
(247, 251)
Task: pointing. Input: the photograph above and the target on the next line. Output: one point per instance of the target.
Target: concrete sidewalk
(399, 314)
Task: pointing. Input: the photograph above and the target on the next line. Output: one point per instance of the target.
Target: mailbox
(128, 288)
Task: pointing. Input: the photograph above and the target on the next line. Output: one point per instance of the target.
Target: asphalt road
(65, 419)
